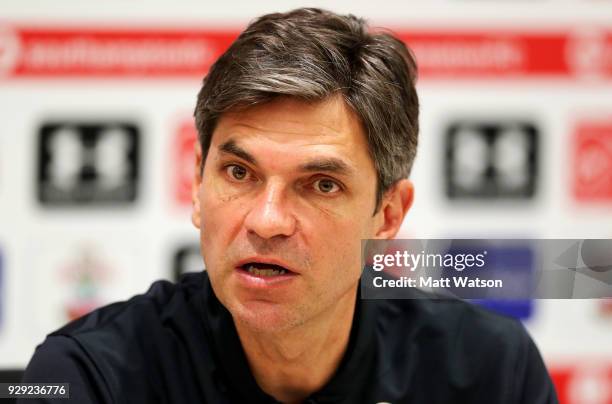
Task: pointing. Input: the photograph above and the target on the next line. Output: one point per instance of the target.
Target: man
(307, 131)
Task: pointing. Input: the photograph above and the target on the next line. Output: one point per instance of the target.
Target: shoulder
(450, 318)
(59, 360)
(473, 349)
(458, 329)
(127, 340)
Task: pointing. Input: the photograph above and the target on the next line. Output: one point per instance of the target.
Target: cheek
(215, 202)
(213, 217)
(339, 245)
(221, 219)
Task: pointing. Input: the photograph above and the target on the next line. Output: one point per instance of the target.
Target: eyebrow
(328, 164)
(323, 164)
(231, 147)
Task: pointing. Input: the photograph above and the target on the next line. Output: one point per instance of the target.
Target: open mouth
(264, 269)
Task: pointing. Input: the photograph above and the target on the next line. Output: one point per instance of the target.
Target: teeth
(264, 272)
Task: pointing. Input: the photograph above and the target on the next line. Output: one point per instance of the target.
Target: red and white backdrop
(96, 150)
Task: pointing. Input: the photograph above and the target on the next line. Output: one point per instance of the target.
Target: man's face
(290, 185)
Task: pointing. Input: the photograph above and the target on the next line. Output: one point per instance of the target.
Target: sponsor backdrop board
(97, 139)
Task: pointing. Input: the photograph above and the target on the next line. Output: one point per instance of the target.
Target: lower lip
(259, 281)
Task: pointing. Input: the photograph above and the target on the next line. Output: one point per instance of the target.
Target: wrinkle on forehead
(331, 119)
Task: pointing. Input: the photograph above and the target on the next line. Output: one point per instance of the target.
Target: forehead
(324, 126)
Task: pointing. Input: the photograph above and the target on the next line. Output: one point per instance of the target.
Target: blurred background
(97, 139)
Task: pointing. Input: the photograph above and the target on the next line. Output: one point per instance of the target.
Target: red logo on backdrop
(184, 160)
(85, 276)
(593, 161)
(587, 383)
(103, 52)
(512, 54)
(38, 51)
(589, 53)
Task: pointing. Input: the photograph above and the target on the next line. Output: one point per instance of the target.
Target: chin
(265, 316)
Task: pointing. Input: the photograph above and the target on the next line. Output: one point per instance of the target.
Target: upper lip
(266, 260)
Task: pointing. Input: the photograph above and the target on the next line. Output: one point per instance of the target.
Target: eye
(326, 186)
(236, 172)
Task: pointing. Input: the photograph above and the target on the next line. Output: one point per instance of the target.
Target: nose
(270, 215)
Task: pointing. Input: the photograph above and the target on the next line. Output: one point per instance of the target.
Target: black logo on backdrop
(187, 258)
(491, 160)
(88, 163)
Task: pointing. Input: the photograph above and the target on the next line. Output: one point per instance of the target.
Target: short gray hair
(311, 54)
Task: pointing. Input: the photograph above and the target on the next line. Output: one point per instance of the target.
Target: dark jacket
(178, 344)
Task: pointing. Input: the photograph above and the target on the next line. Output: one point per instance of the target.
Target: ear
(195, 186)
(394, 206)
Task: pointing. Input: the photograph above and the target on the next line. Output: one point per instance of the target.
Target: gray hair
(312, 54)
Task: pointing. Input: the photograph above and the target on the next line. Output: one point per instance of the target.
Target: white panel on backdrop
(524, 86)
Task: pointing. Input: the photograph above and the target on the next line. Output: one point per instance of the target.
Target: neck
(294, 363)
